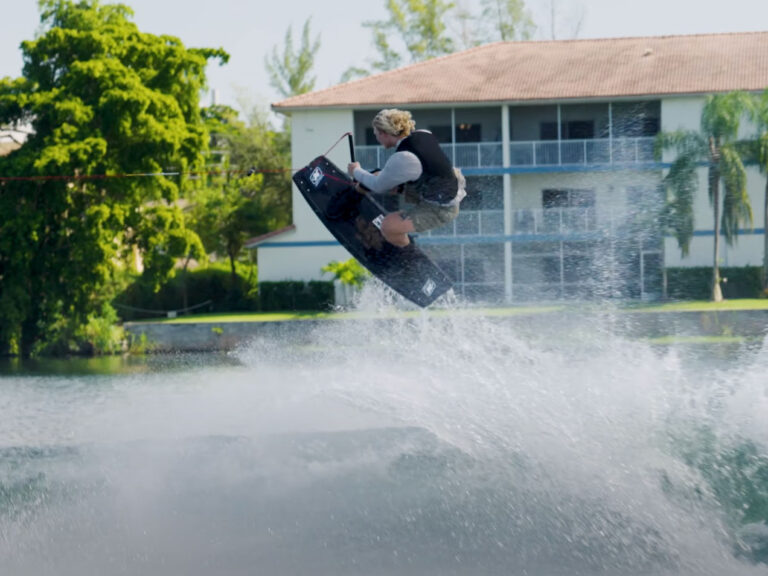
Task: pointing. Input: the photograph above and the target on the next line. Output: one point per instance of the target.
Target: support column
(507, 189)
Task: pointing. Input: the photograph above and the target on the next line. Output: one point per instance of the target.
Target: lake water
(423, 446)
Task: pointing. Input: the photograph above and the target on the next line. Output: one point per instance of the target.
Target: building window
(548, 131)
(567, 198)
(442, 133)
(573, 130)
(468, 133)
(568, 210)
(579, 130)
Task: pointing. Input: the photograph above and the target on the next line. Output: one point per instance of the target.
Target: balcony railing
(528, 222)
(594, 151)
(590, 151)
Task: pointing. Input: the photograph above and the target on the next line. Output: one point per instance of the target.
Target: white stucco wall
(747, 251)
(612, 189)
(313, 133)
(685, 114)
(297, 263)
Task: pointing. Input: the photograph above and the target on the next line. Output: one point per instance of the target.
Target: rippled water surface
(427, 445)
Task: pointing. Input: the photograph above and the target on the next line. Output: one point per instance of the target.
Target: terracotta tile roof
(556, 70)
(254, 242)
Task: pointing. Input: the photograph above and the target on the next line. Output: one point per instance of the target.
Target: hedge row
(287, 295)
(696, 283)
(219, 292)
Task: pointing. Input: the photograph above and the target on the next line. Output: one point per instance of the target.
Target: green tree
(717, 146)
(760, 155)
(349, 272)
(289, 71)
(102, 98)
(418, 28)
(234, 206)
(506, 20)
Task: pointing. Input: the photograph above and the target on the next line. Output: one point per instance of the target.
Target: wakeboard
(355, 219)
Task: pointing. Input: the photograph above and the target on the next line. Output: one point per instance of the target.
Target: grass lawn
(703, 306)
(689, 306)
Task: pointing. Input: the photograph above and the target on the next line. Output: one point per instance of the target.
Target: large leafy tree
(717, 147)
(290, 69)
(241, 203)
(419, 30)
(102, 98)
(759, 150)
(505, 20)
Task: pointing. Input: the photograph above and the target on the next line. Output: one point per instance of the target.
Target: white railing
(473, 223)
(556, 221)
(590, 151)
(534, 221)
(531, 153)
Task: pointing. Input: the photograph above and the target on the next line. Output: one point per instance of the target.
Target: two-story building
(556, 139)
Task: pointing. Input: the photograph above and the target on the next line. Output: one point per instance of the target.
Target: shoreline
(661, 326)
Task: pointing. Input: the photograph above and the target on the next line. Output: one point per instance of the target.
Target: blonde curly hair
(395, 122)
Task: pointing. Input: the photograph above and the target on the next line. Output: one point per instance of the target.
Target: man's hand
(351, 168)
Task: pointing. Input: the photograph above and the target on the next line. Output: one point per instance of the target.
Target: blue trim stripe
(739, 232)
(303, 244)
(455, 240)
(497, 239)
(560, 168)
(514, 238)
(552, 168)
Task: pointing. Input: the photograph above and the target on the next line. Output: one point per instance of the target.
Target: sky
(249, 29)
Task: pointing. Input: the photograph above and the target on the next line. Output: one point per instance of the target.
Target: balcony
(532, 222)
(537, 153)
(595, 151)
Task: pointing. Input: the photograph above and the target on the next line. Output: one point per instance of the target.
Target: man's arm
(401, 167)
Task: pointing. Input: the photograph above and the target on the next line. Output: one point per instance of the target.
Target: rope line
(248, 172)
(337, 142)
(163, 312)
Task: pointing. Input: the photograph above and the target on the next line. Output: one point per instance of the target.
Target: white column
(559, 136)
(507, 188)
(453, 136)
(610, 132)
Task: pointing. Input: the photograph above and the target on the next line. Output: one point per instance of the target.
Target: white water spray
(395, 443)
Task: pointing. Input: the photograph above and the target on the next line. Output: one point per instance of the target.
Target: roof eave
(485, 103)
(265, 238)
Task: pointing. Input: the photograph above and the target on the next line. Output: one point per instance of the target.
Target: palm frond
(681, 186)
(737, 209)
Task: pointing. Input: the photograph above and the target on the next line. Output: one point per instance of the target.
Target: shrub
(351, 272)
(210, 289)
(695, 283)
(292, 295)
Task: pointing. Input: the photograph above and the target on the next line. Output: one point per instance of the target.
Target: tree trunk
(232, 268)
(233, 293)
(184, 282)
(714, 182)
(664, 277)
(29, 337)
(765, 241)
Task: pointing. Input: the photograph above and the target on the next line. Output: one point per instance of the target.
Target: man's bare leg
(395, 229)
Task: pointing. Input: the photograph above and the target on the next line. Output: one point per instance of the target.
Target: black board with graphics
(354, 221)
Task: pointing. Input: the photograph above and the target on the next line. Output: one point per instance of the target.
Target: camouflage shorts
(427, 216)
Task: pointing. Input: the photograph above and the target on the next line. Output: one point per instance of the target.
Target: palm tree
(760, 151)
(715, 146)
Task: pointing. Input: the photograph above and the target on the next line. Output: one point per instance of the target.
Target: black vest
(437, 182)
